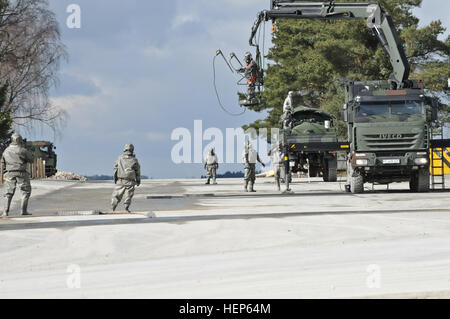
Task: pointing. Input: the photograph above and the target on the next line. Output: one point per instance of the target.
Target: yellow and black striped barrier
(436, 162)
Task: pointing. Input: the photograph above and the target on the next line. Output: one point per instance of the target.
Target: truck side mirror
(434, 110)
(434, 114)
(345, 113)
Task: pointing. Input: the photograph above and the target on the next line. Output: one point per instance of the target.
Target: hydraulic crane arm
(379, 21)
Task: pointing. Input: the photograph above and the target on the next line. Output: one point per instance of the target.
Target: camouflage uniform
(288, 110)
(127, 175)
(251, 74)
(211, 166)
(14, 167)
(278, 166)
(249, 158)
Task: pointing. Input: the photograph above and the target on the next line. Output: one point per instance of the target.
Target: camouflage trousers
(250, 90)
(278, 171)
(21, 179)
(250, 174)
(124, 190)
(211, 172)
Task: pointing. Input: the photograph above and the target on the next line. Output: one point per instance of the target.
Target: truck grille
(391, 141)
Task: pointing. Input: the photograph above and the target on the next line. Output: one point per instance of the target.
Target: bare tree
(30, 54)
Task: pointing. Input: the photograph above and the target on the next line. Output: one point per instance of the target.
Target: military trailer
(311, 143)
(46, 151)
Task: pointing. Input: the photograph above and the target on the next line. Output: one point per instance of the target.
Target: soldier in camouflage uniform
(127, 175)
(211, 166)
(251, 74)
(278, 163)
(249, 158)
(14, 167)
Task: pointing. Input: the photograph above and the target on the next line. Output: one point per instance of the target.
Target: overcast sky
(139, 69)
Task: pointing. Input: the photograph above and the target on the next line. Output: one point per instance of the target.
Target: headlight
(361, 162)
(421, 153)
(360, 155)
(421, 161)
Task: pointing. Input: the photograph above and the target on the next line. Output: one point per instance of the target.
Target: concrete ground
(190, 240)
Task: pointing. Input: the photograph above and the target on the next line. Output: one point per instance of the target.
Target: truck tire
(423, 180)
(330, 171)
(356, 183)
(413, 183)
(313, 171)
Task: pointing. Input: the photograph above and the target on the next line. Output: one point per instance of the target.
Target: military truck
(311, 139)
(389, 120)
(389, 135)
(46, 151)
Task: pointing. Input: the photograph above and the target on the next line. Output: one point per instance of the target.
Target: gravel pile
(61, 175)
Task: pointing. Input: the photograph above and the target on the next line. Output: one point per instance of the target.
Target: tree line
(320, 55)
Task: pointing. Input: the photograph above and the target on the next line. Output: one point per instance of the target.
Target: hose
(217, 93)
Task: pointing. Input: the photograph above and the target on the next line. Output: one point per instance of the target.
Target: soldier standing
(249, 158)
(14, 167)
(278, 164)
(211, 166)
(288, 110)
(127, 175)
(251, 74)
(288, 103)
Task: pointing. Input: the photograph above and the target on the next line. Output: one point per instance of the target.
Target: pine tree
(319, 55)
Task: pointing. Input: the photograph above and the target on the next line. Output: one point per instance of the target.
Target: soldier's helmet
(291, 93)
(248, 56)
(16, 139)
(128, 148)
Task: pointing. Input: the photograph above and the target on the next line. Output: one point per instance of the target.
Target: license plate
(391, 161)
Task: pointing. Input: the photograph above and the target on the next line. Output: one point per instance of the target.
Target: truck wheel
(356, 183)
(413, 183)
(330, 171)
(325, 174)
(313, 171)
(423, 180)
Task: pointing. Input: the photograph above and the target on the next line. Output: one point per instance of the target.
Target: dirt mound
(68, 176)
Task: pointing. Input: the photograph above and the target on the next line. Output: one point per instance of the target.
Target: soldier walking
(14, 167)
(127, 175)
(249, 158)
(211, 166)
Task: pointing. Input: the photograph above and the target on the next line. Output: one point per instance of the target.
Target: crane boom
(379, 21)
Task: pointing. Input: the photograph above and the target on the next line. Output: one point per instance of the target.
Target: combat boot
(207, 182)
(127, 209)
(7, 205)
(114, 206)
(251, 188)
(245, 186)
(25, 206)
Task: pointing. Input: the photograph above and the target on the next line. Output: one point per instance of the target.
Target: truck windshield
(407, 107)
(375, 108)
(389, 111)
